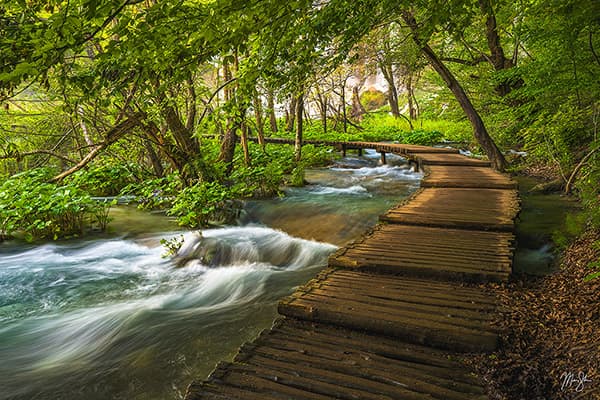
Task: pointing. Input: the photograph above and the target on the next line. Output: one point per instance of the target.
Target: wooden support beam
(383, 161)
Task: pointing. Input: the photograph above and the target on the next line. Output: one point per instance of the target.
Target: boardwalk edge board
(391, 315)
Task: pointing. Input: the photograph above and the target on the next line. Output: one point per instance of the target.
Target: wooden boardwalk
(395, 309)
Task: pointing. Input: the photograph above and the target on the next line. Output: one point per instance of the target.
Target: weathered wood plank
(302, 360)
(465, 177)
(476, 209)
(449, 160)
(448, 327)
(439, 253)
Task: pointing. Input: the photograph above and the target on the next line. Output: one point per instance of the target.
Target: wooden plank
(449, 160)
(303, 360)
(422, 270)
(476, 209)
(416, 149)
(444, 327)
(465, 177)
(439, 253)
(432, 289)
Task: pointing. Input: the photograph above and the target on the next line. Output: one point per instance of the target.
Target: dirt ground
(550, 332)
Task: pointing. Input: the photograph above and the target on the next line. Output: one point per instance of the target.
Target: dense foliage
(120, 96)
(35, 209)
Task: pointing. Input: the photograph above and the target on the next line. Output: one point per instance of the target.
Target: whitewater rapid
(65, 307)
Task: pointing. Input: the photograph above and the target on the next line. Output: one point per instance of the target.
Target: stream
(112, 318)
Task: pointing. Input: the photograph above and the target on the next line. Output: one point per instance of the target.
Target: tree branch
(569, 185)
(114, 134)
(471, 63)
(213, 96)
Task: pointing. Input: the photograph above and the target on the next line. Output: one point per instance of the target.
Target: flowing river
(112, 318)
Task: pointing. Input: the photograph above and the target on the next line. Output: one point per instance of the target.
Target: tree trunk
(244, 142)
(192, 105)
(83, 126)
(291, 115)
(298, 142)
(392, 93)
(497, 56)
(357, 108)
(345, 117)
(228, 146)
(479, 129)
(322, 103)
(230, 138)
(159, 171)
(156, 136)
(258, 113)
(271, 105)
(181, 134)
(412, 110)
(393, 100)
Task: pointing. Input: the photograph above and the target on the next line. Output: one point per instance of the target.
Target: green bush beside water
(34, 209)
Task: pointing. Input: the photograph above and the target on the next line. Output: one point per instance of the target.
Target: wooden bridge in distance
(393, 311)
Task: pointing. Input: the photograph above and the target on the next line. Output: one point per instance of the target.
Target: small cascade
(249, 245)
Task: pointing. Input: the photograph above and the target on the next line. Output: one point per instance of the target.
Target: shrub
(157, 193)
(420, 136)
(35, 209)
(198, 205)
(107, 179)
(257, 181)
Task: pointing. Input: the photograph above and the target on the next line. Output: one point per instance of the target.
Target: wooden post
(416, 166)
(343, 150)
(360, 151)
(383, 157)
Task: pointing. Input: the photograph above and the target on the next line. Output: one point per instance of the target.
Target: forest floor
(550, 332)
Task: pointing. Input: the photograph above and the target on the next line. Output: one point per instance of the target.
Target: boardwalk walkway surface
(394, 310)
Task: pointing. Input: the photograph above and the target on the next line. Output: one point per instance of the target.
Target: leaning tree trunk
(157, 166)
(479, 130)
(110, 137)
